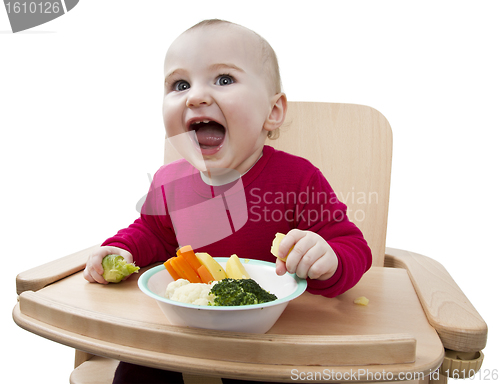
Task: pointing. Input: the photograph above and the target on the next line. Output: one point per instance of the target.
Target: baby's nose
(197, 97)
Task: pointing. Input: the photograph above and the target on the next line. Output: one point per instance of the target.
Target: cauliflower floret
(173, 286)
(191, 293)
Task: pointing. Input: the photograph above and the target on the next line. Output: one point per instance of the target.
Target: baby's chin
(220, 176)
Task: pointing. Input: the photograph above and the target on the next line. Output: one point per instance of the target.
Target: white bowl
(256, 318)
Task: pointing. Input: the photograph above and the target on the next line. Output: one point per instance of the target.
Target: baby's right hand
(93, 270)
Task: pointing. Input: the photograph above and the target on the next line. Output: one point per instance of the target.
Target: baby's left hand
(311, 256)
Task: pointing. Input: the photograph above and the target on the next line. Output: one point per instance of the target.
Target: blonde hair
(270, 60)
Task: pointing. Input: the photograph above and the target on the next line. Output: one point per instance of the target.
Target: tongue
(210, 135)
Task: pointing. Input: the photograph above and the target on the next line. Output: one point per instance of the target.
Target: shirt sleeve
(325, 215)
(151, 238)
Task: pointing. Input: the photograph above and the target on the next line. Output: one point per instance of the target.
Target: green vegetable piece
(236, 292)
(116, 268)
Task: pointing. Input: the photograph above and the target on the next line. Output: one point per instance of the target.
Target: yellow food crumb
(276, 244)
(361, 301)
(246, 261)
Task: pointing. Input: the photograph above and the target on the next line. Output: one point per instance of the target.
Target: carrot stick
(188, 254)
(177, 268)
(205, 275)
(184, 249)
(171, 269)
(186, 269)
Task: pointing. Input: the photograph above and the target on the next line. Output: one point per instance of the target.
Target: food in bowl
(215, 269)
(226, 292)
(196, 268)
(236, 270)
(257, 318)
(190, 293)
(232, 287)
(202, 268)
(236, 292)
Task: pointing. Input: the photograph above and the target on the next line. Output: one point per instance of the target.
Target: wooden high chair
(417, 326)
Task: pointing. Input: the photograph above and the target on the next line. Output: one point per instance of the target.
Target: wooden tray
(314, 334)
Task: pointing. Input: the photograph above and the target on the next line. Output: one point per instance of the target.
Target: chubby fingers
(289, 241)
(93, 270)
(280, 267)
(325, 265)
(311, 256)
(303, 255)
(92, 275)
(286, 245)
(125, 254)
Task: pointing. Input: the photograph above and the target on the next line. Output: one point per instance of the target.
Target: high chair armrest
(448, 310)
(36, 278)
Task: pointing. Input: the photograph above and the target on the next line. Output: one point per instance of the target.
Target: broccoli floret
(234, 292)
(116, 268)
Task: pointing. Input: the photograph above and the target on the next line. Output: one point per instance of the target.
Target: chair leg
(81, 357)
(97, 370)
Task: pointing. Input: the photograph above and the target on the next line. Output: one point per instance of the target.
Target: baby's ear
(277, 113)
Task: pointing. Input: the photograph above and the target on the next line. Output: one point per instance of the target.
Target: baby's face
(215, 85)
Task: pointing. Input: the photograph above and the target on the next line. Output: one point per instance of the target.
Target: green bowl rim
(144, 279)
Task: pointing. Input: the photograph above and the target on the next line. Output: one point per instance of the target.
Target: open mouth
(209, 133)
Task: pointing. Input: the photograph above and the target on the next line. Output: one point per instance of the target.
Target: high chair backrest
(352, 146)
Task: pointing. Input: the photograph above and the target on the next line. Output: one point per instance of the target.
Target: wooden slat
(43, 275)
(448, 310)
(314, 350)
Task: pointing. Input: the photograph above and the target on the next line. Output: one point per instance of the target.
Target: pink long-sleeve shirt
(279, 193)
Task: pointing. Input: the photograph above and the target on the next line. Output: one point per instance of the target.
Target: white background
(81, 126)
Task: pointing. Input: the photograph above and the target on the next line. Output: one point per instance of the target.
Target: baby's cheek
(173, 126)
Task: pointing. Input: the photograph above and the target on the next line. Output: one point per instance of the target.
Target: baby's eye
(181, 85)
(224, 80)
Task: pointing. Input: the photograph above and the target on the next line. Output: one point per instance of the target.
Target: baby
(223, 97)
